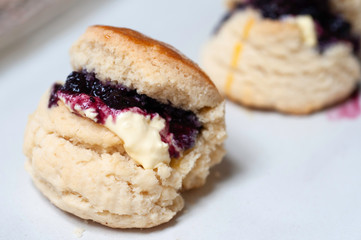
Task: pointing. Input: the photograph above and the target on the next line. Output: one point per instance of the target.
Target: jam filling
(330, 28)
(109, 99)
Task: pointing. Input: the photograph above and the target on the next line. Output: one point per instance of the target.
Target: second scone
(291, 56)
(135, 123)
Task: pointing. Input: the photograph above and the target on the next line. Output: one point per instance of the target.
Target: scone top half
(138, 62)
(141, 89)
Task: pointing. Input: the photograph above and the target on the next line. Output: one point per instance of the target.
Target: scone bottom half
(134, 125)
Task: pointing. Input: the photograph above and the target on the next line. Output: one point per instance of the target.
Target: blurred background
(183, 24)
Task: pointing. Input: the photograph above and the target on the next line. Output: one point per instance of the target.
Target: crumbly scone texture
(275, 69)
(118, 53)
(83, 169)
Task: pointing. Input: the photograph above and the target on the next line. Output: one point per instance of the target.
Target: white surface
(283, 178)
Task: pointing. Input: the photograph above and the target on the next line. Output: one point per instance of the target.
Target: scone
(292, 56)
(351, 10)
(134, 124)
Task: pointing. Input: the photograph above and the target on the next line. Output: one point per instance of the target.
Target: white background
(284, 177)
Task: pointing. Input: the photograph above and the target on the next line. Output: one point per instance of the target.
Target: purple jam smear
(109, 99)
(331, 28)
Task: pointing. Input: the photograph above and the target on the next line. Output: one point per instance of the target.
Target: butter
(141, 137)
(307, 27)
(139, 133)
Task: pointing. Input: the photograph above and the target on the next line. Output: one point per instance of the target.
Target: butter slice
(308, 29)
(140, 134)
(141, 137)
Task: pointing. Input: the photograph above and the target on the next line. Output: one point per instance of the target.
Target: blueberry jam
(108, 99)
(331, 28)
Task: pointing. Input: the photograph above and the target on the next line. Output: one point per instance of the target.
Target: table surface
(284, 177)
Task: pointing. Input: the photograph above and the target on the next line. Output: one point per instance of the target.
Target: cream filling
(140, 134)
(141, 137)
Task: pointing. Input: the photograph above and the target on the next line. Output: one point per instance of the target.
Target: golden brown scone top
(139, 38)
(152, 67)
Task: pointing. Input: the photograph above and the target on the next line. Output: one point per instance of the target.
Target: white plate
(284, 177)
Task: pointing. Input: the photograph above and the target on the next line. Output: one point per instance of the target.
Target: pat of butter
(141, 137)
(140, 134)
(307, 27)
